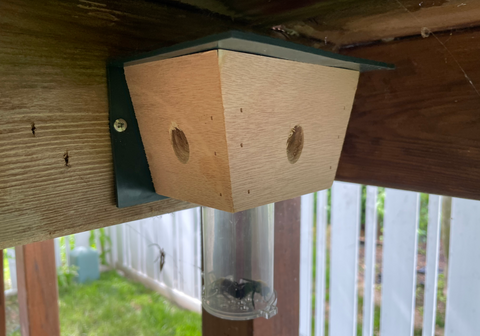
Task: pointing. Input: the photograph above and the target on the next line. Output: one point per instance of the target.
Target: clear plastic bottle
(238, 263)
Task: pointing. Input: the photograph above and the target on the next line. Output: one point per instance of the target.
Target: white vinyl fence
(136, 248)
(398, 275)
(135, 251)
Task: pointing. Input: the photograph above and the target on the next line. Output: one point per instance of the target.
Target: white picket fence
(135, 252)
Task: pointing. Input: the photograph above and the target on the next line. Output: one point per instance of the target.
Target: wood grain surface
(334, 24)
(183, 94)
(37, 289)
(418, 127)
(56, 172)
(238, 112)
(264, 99)
(376, 21)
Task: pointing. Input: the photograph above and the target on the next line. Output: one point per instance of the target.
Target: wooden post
(287, 273)
(37, 289)
(213, 326)
(3, 321)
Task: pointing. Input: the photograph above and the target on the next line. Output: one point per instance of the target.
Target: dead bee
(161, 256)
(225, 287)
(240, 290)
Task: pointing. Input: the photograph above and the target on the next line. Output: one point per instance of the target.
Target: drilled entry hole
(180, 145)
(295, 144)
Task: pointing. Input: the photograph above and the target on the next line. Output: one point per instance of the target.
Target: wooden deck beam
(418, 127)
(56, 170)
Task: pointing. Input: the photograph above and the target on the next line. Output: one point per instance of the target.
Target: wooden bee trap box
(236, 120)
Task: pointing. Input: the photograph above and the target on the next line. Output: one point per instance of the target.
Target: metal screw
(120, 125)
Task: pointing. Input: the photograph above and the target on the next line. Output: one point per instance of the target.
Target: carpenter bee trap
(233, 122)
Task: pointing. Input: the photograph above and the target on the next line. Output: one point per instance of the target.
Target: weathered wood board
(56, 171)
(334, 24)
(385, 20)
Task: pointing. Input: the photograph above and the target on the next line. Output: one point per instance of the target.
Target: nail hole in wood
(220, 194)
(211, 118)
(241, 145)
(249, 191)
(241, 110)
(66, 157)
(295, 144)
(180, 145)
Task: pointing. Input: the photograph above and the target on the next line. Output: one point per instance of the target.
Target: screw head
(120, 125)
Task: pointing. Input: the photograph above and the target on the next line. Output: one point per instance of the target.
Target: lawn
(116, 306)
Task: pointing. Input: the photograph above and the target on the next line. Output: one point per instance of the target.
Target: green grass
(116, 306)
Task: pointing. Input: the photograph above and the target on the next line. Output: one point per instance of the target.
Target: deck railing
(331, 235)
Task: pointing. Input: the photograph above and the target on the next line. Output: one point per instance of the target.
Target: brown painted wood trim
(214, 326)
(3, 318)
(37, 289)
(417, 127)
(286, 278)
